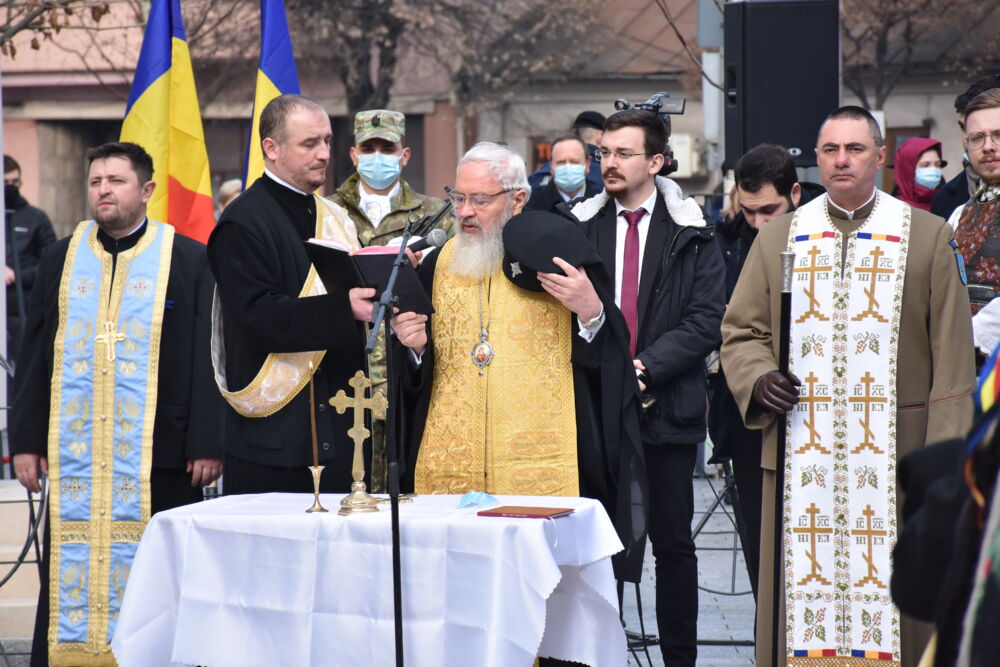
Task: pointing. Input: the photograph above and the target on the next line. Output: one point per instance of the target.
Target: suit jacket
(547, 197)
(681, 302)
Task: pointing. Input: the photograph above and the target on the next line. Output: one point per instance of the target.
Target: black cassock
(609, 452)
(257, 256)
(189, 408)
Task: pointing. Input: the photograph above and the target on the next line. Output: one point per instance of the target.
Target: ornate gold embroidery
(525, 443)
(78, 447)
(126, 489)
(75, 616)
(139, 287)
(127, 368)
(82, 287)
(123, 448)
(74, 579)
(74, 488)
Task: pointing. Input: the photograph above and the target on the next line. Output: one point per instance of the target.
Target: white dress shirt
(620, 230)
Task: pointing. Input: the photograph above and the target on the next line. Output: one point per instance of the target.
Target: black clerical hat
(531, 239)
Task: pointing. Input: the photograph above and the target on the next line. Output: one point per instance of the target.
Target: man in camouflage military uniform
(381, 204)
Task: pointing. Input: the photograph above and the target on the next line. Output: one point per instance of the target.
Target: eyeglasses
(603, 154)
(978, 139)
(477, 199)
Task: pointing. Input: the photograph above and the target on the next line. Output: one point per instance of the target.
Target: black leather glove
(776, 393)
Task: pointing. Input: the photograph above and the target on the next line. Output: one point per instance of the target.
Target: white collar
(364, 194)
(648, 204)
(278, 180)
(684, 210)
(850, 214)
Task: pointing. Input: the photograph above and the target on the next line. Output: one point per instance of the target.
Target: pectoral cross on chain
(109, 338)
(376, 403)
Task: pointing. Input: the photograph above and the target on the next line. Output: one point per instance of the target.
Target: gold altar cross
(875, 272)
(812, 531)
(869, 536)
(359, 403)
(812, 270)
(867, 400)
(109, 338)
(811, 399)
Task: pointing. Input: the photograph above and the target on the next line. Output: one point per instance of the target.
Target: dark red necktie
(630, 275)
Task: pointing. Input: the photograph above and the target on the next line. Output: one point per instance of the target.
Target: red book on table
(522, 512)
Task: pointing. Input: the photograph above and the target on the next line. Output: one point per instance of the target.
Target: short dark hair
(141, 161)
(570, 137)
(978, 87)
(988, 99)
(272, 118)
(10, 164)
(851, 112)
(765, 164)
(653, 127)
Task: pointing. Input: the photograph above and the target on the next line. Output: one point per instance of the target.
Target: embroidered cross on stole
(104, 382)
(840, 458)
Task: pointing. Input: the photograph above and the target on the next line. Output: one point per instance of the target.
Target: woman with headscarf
(918, 171)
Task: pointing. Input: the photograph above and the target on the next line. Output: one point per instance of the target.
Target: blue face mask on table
(570, 177)
(928, 177)
(378, 170)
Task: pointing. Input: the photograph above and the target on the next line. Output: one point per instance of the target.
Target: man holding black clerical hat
(522, 386)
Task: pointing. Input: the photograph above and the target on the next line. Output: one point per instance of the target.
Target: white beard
(477, 256)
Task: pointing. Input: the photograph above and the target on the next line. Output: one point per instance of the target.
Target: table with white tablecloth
(255, 580)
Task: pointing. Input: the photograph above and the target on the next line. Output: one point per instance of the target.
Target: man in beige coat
(935, 375)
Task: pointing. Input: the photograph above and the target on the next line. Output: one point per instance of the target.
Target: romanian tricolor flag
(162, 116)
(276, 76)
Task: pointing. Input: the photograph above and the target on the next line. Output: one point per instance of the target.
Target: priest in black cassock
(113, 399)
(274, 325)
(521, 381)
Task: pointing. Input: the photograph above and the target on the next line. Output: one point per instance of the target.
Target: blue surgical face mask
(378, 170)
(928, 177)
(570, 177)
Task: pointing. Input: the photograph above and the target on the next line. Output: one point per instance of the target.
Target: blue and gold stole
(104, 383)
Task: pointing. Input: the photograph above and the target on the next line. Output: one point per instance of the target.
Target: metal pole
(787, 269)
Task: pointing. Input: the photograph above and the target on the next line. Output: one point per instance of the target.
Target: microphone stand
(785, 315)
(385, 304)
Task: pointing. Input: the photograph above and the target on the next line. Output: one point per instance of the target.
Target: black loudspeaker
(782, 60)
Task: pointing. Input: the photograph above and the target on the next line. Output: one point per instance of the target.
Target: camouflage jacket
(405, 204)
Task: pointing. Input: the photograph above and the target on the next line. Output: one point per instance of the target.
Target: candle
(312, 415)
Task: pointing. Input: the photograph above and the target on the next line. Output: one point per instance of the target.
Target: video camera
(663, 106)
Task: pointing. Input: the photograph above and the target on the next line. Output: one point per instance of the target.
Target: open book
(341, 268)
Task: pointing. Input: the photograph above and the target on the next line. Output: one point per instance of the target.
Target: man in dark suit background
(669, 284)
(569, 167)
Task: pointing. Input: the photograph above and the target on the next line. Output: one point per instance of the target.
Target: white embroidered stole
(840, 456)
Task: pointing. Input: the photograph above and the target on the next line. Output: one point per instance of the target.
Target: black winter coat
(681, 303)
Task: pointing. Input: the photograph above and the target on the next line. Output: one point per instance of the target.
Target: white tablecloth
(254, 580)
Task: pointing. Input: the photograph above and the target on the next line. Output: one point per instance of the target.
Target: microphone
(434, 239)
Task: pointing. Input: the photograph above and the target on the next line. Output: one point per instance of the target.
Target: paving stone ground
(720, 617)
(721, 569)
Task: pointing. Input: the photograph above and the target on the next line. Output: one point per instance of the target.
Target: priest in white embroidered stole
(881, 362)
(115, 396)
(503, 398)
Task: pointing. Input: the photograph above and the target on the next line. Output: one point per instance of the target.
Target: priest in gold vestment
(518, 392)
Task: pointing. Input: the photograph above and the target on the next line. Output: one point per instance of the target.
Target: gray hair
(505, 166)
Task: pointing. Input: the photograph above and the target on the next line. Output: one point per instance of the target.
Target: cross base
(869, 312)
(870, 580)
(867, 445)
(357, 501)
(813, 445)
(812, 312)
(813, 576)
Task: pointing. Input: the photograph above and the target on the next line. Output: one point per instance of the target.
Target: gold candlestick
(316, 469)
(359, 500)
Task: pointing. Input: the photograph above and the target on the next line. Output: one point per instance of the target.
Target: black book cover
(340, 271)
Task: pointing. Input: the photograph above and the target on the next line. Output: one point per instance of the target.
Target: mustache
(470, 222)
